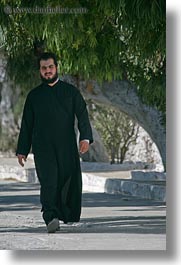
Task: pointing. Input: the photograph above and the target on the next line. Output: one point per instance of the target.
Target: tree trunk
(123, 96)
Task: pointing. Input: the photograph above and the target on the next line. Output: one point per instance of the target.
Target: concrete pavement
(123, 209)
(108, 222)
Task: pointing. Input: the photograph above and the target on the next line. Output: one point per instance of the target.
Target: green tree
(105, 41)
(110, 39)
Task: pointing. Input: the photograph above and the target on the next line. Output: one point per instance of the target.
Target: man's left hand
(83, 146)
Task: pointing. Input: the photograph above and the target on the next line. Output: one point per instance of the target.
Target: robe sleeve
(25, 136)
(83, 119)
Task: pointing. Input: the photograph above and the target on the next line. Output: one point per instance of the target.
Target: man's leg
(46, 168)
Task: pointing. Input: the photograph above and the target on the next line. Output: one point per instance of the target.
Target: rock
(148, 176)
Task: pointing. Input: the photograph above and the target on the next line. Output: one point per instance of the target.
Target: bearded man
(48, 126)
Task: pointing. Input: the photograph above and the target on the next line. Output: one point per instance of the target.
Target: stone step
(107, 167)
(148, 176)
(153, 190)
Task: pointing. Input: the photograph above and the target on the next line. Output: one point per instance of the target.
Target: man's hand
(83, 146)
(20, 159)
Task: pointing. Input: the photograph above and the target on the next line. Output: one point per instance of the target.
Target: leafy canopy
(107, 40)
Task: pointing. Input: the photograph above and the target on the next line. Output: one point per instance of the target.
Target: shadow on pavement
(14, 198)
(106, 224)
(113, 200)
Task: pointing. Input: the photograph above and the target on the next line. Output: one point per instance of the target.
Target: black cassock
(48, 125)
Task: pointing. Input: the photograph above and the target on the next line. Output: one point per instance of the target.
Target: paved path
(113, 222)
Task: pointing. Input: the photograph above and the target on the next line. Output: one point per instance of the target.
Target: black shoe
(53, 226)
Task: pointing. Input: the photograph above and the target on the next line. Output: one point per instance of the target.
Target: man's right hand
(20, 159)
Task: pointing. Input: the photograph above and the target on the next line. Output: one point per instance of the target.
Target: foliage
(112, 39)
(116, 129)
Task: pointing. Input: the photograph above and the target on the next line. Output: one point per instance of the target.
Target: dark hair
(46, 56)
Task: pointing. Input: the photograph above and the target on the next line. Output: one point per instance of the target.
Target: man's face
(48, 71)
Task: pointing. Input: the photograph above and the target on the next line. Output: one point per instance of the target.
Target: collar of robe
(55, 85)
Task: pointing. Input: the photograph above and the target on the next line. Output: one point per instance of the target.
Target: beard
(50, 80)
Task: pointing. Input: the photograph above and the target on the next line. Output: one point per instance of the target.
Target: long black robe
(48, 125)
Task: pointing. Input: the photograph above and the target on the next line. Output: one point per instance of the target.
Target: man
(48, 125)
